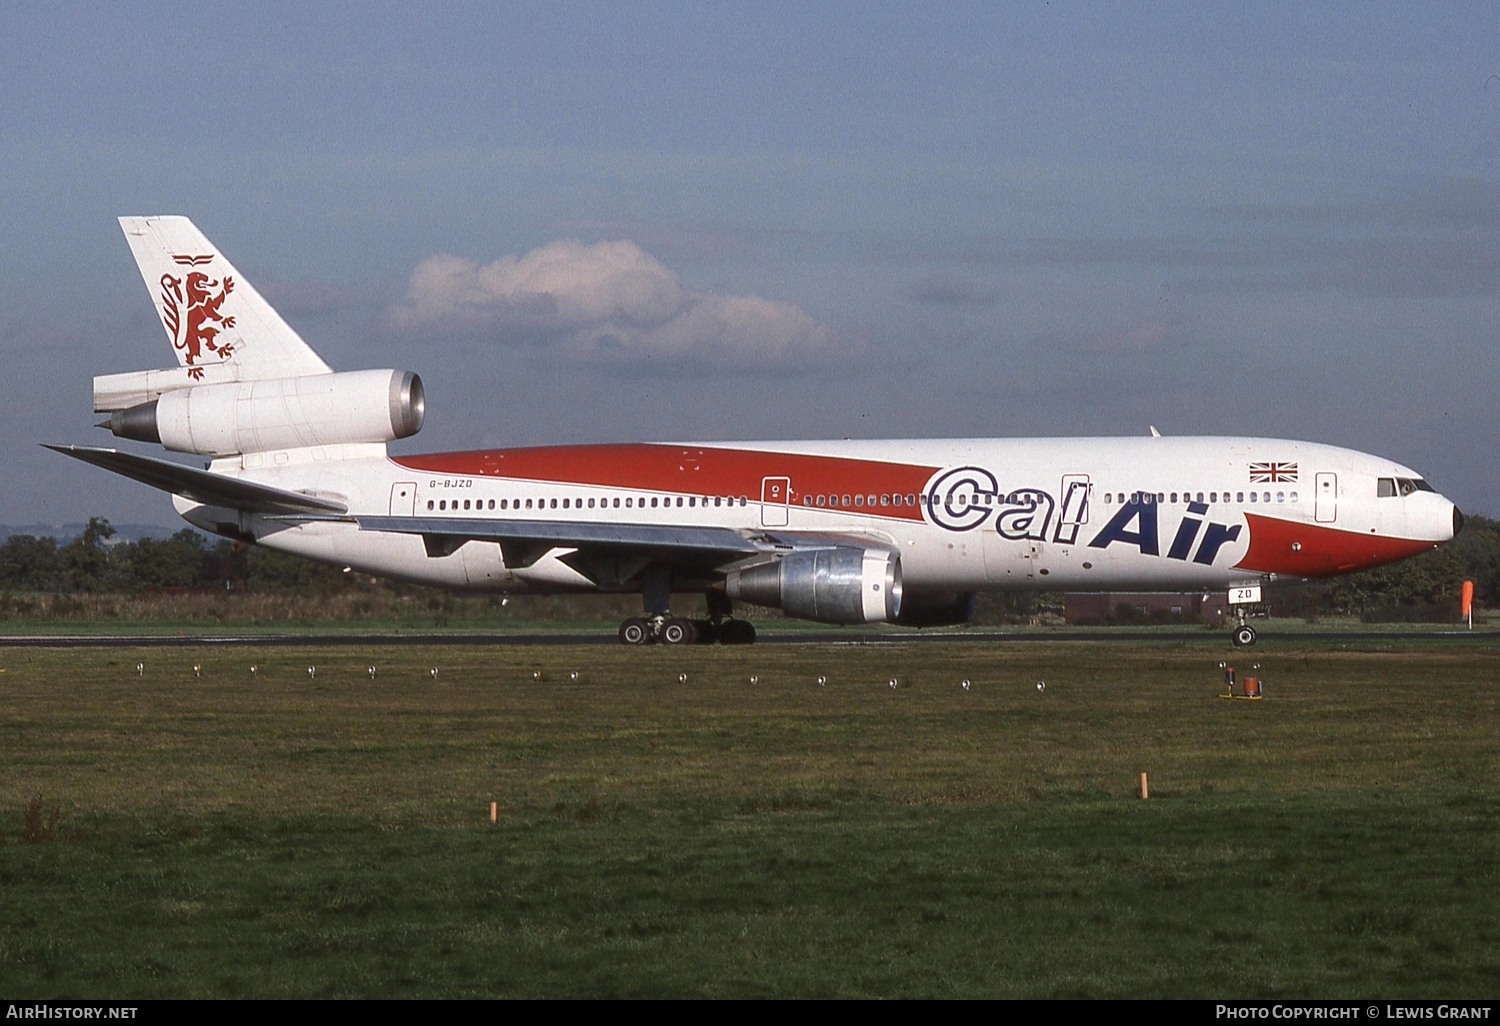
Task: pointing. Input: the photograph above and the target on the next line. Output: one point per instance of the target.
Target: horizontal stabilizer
(201, 485)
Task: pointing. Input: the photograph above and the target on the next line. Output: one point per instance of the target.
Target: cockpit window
(1405, 485)
(1385, 488)
(1423, 486)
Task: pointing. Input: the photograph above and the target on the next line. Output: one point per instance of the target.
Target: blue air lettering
(1138, 512)
(1216, 537)
(1187, 531)
(1136, 524)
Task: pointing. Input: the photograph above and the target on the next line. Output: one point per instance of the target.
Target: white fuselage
(1076, 514)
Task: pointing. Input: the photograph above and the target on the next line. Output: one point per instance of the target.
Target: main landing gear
(675, 630)
(661, 627)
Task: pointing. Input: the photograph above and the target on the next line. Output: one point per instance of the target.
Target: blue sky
(1008, 220)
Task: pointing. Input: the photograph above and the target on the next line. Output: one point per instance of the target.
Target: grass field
(279, 834)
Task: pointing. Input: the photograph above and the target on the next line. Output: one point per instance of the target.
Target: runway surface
(765, 638)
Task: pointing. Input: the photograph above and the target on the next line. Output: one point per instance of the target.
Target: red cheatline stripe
(687, 470)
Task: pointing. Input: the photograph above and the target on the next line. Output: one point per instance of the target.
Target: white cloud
(610, 300)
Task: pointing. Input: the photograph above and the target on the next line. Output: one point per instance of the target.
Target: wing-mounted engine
(221, 419)
(834, 585)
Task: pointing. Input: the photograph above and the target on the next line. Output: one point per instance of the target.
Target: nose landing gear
(1244, 635)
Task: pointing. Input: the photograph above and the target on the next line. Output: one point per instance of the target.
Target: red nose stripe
(1321, 551)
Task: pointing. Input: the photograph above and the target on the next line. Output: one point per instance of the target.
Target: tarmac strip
(764, 638)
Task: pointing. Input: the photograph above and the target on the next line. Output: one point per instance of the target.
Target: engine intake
(838, 585)
(280, 413)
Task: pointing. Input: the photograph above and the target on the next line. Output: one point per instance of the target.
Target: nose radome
(1458, 521)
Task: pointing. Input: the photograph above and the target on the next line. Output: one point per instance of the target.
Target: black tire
(736, 632)
(1244, 636)
(708, 631)
(677, 631)
(635, 631)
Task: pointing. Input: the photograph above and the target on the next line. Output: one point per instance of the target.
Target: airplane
(841, 532)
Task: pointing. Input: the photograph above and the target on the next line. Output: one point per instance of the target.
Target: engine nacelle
(843, 585)
(279, 413)
(943, 609)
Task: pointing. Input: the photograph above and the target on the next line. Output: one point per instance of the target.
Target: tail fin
(210, 313)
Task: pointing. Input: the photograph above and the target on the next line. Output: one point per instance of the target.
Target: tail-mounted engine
(279, 413)
(842, 585)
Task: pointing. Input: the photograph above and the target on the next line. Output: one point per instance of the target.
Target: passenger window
(429, 503)
(628, 502)
(565, 504)
(1294, 496)
(1252, 496)
(692, 501)
(653, 502)
(679, 501)
(1239, 496)
(591, 504)
(442, 504)
(554, 503)
(1174, 496)
(466, 504)
(1212, 497)
(859, 500)
(492, 504)
(1108, 498)
(617, 504)
(807, 500)
(846, 501)
(1281, 496)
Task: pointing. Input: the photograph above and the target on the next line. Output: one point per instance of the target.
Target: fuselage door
(1326, 498)
(774, 492)
(1075, 508)
(404, 499)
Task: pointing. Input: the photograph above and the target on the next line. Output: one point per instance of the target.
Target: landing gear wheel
(736, 632)
(635, 631)
(1244, 635)
(679, 632)
(708, 631)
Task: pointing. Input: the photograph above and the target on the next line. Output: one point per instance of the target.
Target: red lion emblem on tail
(190, 310)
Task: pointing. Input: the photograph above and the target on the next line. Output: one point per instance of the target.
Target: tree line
(1424, 588)
(186, 560)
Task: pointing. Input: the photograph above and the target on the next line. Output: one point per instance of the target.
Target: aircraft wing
(523, 542)
(200, 485)
(609, 553)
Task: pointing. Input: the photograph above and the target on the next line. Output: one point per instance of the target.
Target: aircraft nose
(1458, 521)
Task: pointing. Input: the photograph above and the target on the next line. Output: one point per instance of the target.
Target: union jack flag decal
(1272, 473)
